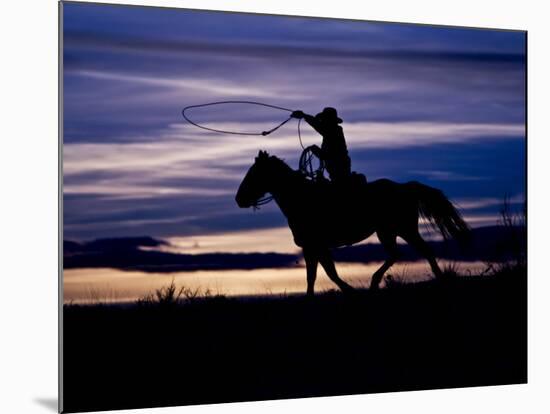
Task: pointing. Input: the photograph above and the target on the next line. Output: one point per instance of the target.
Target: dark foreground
(465, 332)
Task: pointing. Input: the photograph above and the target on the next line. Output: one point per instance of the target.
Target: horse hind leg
(328, 264)
(422, 247)
(389, 243)
(311, 258)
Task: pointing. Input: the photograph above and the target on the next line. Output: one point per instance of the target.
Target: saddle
(357, 179)
(354, 180)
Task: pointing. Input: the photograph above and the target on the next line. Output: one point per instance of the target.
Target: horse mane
(282, 165)
(295, 175)
(279, 168)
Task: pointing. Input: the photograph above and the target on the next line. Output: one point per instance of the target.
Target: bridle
(261, 201)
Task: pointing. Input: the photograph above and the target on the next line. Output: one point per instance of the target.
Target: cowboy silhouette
(333, 150)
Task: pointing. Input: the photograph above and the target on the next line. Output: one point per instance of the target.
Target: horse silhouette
(322, 215)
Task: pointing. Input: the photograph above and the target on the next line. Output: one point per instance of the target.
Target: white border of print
(28, 303)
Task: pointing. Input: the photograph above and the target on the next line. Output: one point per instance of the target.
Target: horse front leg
(388, 241)
(311, 258)
(328, 264)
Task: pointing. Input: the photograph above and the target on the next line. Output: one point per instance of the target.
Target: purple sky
(445, 106)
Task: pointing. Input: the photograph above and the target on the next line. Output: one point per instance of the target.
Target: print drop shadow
(49, 403)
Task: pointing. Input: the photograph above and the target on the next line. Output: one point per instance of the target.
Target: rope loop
(306, 159)
(263, 133)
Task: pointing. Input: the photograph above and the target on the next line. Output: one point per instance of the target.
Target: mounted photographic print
(261, 207)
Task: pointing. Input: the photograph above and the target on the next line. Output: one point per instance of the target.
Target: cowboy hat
(329, 114)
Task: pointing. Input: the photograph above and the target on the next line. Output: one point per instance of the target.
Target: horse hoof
(348, 290)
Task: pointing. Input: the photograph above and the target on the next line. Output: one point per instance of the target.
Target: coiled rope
(306, 164)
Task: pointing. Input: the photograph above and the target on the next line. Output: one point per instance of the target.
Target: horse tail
(440, 213)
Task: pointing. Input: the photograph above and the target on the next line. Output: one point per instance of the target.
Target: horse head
(256, 183)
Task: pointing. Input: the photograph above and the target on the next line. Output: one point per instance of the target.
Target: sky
(444, 106)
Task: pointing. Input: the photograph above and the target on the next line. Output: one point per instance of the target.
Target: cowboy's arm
(311, 120)
(314, 122)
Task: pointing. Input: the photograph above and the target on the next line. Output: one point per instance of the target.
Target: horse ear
(262, 155)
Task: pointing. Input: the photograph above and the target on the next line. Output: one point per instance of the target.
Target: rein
(262, 201)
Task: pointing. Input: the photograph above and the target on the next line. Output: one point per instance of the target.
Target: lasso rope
(263, 133)
(305, 165)
(300, 134)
